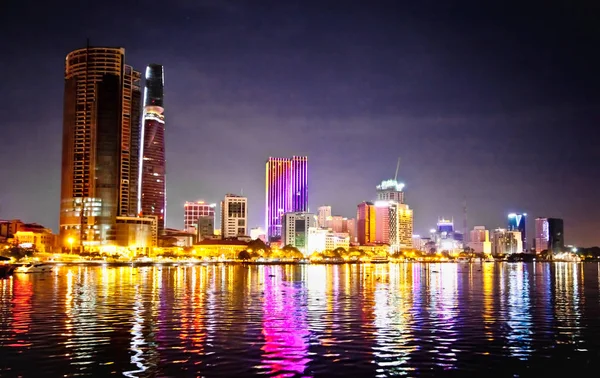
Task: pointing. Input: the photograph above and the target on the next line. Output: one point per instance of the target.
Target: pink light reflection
(284, 327)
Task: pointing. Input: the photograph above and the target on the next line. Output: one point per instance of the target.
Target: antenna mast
(465, 238)
(397, 168)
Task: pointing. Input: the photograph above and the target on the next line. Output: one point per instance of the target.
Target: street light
(70, 241)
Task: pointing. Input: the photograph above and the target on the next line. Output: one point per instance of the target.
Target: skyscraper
(517, 222)
(365, 223)
(152, 169)
(286, 190)
(100, 151)
(234, 216)
(390, 190)
(549, 235)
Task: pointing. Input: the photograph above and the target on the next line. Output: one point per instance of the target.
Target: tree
(258, 245)
(244, 255)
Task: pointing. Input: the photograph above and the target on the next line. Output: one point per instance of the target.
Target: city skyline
(468, 125)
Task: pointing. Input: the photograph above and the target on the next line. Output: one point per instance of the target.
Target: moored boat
(33, 268)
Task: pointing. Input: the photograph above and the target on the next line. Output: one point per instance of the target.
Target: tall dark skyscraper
(100, 151)
(517, 222)
(549, 235)
(286, 190)
(152, 191)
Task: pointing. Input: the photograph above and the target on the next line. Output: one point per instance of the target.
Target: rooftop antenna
(397, 168)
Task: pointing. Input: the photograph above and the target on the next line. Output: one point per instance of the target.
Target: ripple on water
(342, 320)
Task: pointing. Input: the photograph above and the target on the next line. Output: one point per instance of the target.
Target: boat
(34, 268)
(379, 260)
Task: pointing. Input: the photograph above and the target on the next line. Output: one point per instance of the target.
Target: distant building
(349, 227)
(335, 240)
(365, 223)
(286, 191)
(336, 224)
(506, 242)
(323, 214)
(480, 240)
(234, 216)
(517, 222)
(194, 210)
(258, 233)
(400, 226)
(549, 235)
(446, 238)
(390, 190)
(382, 222)
(205, 226)
(295, 230)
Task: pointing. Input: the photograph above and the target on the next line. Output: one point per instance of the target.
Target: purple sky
(499, 104)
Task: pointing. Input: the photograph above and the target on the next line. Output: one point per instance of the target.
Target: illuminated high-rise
(234, 216)
(517, 222)
(390, 190)
(286, 190)
(365, 223)
(152, 168)
(192, 211)
(100, 147)
(549, 235)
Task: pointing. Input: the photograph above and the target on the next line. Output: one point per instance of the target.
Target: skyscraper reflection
(567, 302)
(519, 312)
(285, 327)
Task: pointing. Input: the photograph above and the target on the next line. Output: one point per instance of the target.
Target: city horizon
(319, 107)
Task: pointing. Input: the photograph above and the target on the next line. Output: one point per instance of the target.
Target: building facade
(390, 190)
(323, 215)
(517, 222)
(506, 242)
(234, 216)
(480, 240)
(286, 190)
(365, 223)
(192, 211)
(152, 167)
(100, 147)
(400, 226)
(205, 227)
(549, 235)
(295, 229)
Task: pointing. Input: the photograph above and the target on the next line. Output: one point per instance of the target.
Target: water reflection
(347, 320)
(519, 311)
(284, 325)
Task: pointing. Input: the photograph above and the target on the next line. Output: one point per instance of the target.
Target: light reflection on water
(334, 320)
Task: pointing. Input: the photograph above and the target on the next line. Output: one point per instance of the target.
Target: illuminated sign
(391, 184)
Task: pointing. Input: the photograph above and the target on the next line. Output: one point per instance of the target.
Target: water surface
(500, 319)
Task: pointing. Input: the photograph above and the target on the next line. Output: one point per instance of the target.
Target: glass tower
(100, 145)
(152, 191)
(286, 190)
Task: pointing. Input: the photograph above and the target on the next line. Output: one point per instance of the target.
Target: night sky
(498, 104)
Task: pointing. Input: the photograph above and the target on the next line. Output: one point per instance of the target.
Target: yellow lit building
(41, 240)
(229, 249)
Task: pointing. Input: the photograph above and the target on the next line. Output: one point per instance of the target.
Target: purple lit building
(286, 190)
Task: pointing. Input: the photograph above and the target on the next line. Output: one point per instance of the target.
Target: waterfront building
(34, 236)
(192, 211)
(480, 240)
(100, 146)
(517, 222)
(446, 238)
(234, 216)
(152, 166)
(365, 223)
(317, 240)
(506, 242)
(323, 215)
(222, 249)
(286, 190)
(549, 235)
(295, 229)
(390, 190)
(205, 226)
(400, 226)
(334, 240)
(138, 234)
